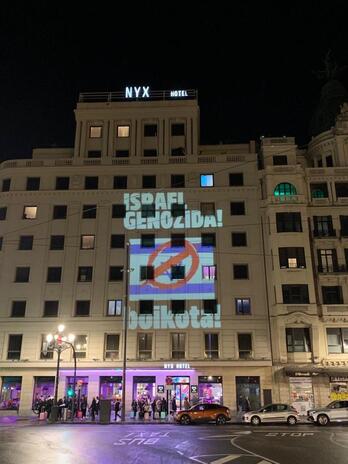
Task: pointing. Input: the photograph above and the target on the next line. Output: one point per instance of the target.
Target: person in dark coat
(84, 407)
(117, 409)
(94, 409)
(174, 404)
(134, 408)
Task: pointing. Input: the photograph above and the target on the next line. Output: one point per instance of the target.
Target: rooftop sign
(139, 93)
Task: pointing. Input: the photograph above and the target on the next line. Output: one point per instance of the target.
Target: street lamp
(59, 343)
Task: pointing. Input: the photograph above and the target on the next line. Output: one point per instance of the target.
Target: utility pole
(127, 270)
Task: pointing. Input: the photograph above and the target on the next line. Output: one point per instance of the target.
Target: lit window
(87, 242)
(95, 132)
(209, 272)
(114, 308)
(284, 189)
(292, 263)
(29, 212)
(207, 180)
(122, 131)
(242, 305)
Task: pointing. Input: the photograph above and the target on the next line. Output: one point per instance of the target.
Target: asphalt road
(97, 444)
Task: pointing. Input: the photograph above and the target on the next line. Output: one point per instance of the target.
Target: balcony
(335, 269)
(324, 233)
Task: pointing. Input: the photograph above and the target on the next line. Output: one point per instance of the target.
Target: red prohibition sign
(189, 250)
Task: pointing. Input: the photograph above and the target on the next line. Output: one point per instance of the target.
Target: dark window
(178, 345)
(327, 259)
(14, 346)
(345, 254)
(147, 272)
(210, 306)
(236, 179)
(33, 183)
(178, 129)
(337, 340)
(178, 306)
(150, 152)
(292, 257)
(62, 183)
(239, 239)
(89, 211)
(323, 226)
(341, 189)
(150, 130)
(178, 209)
(91, 182)
(22, 274)
(177, 180)
(51, 308)
(240, 271)
(289, 222)
(18, 308)
(280, 160)
(207, 209)
(146, 307)
(1, 241)
(344, 226)
(145, 345)
(94, 154)
(85, 274)
(26, 242)
(3, 212)
(57, 242)
(122, 153)
(245, 345)
(6, 185)
(178, 272)
(319, 190)
(117, 241)
(208, 239)
(177, 240)
(295, 294)
(115, 273)
(120, 182)
(147, 241)
(298, 340)
(179, 151)
(112, 344)
(237, 208)
(54, 274)
(320, 163)
(332, 295)
(149, 181)
(118, 211)
(243, 305)
(82, 308)
(329, 161)
(60, 211)
(148, 211)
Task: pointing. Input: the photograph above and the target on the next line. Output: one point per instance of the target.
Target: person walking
(134, 408)
(117, 409)
(186, 403)
(174, 405)
(93, 408)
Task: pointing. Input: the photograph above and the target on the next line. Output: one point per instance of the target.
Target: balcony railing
(324, 233)
(339, 268)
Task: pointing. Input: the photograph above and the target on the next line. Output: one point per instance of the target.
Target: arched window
(284, 189)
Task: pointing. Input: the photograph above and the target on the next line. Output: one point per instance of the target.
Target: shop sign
(176, 366)
(178, 93)
(137, 92)
(160, 388)
(339, 379)
(194, 389)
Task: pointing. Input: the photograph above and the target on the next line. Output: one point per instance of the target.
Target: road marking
(251, 453)
(228, 437)
(289, 434)
(332, 439)
(229, 458)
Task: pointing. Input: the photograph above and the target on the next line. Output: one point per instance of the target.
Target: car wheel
(292, 420)
(255, 420)
(221, 420)
(322, 419)
(185, 420)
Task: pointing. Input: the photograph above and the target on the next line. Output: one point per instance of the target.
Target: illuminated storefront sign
(176, 366)
(143, 92)
(137, 92)
(178, 93)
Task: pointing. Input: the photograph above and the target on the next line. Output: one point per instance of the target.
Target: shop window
(243, 306)
(57, 242)
(337, 340)
(82, 308)
(177, 180)
(29, 212)
(207, 209)
(122, 153)
(18, 308)
(210, 389)
(112, 346)
(344, 226)
(33, 183)
(62, 183)
(43, 388)
(177, 240)
(123, 131)
(248, 393)
(95, 132)
(14, 346)
(236, 179)
(147, 272)
(288, 222)
(3, 213)
(327, 259)
(120, 182)
(178, 129)
(85, 274)
(22, 274)
(11, 388)
(45, 351)
(6, 185)
(178, 210)
(332, 294)
(209, 306)
(298, 340)
(209, 272)
(117, 241)
(148, 211)
(147, 240)
(207, 180)
(239, 239)
(284, 190)
(87, 242)
(81, 381)
(144, 388)
(280, 160)
(245, 349)
(146, 307)
(80, 345)
(211, 345)
(237, 208)
(319, 190)
(51, 308)
(115, 273)
(114, 308)
(54, 274)
(341, 189)
(60, 211)
(111, 387)
(208, 240)
(177, 272)
(292, 258)
(91, 183)
(240, 271)
(26, 242)
(144, 346)
(150, 130)
(178, 345)
(149, 182)
(295, 294)
(323, 226)
(89, 211)
(149, 152)
(178, 306)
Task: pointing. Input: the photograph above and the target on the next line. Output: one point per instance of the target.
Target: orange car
(204, 413)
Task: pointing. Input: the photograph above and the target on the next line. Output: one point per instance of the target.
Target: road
(204, 444)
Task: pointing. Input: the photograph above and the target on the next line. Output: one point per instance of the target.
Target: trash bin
(65, 414)
(104, 411)
(54, 414)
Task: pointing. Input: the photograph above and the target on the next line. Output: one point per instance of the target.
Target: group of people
(80, 407)
(144, 408)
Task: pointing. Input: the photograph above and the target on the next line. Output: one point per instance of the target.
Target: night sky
(253, 63)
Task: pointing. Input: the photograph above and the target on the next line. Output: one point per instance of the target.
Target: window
(329, 161)
(45, 352)
(123, 131)
(207, 180)
(29, 212)
(82, 308)
(80, 345)
(236, 179)
(115, 273)
(147, 272)
(295, 294)
(120, 182)
(87, 242)
(3, 212)
(240, 271)
(89, 211)
(178, 209)
(22, 274)
(150, 130)
(94, 154)
(320, 163)
(147, 240)
(323, 226)
(26, 242)
(280, 160)
(178, 129)
(114, 308)
(337, 340)
(284, 190)
(85, 274)
(117, 241)
(33, 183)
(243, 306)
(209, 306)
(341, 189)
(298, 340)
(18, 308)
(178, 345)
(344, 226)
(211, 346)
(289, 222)
(177, 180)
(95, 132)
(327, 259)
(178, 306)
(291, 257)
(148, 211)
(319, 190)
(112, 346)
(149, 182)
(6, 185)
(14, 346)
(148, 152)
(145, 346)
(118, 211)
(62, 183)
(209, 272)
(122, 153)
(179, 151)
(177, 240)
(177, 272)
(91, 182)
(208, 240)
(60, 211)
(245, 346)
(145, 306)
(237, 208)
(57, 242)
(332, 295)
(54, 274)
(239, 239)
(207, 209)
(51, 308)
(1, 240)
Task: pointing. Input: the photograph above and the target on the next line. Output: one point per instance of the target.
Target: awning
(303, 371)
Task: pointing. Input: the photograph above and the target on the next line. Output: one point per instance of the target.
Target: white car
(337, 411)
(272, 413)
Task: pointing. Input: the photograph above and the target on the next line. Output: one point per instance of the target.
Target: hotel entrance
(178, 386)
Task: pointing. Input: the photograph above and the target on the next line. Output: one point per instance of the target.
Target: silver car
(337, 411)
(272, 413)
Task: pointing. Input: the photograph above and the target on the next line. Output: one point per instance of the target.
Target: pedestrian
(117, 409)
(94, 410)
(84, 406)
(164, 407)
(154, 408)
(134, 408)
(246, 404)
(186, 403)
(174, 405)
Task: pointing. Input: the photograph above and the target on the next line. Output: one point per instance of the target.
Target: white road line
(268, 460)
(229, 458)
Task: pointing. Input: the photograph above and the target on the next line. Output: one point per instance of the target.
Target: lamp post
(59, 343)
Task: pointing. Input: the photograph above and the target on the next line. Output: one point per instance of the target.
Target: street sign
(160, 388)
(194, 388)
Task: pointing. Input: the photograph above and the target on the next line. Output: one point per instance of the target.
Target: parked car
(337, 411)
(272, 413)
(204, 413)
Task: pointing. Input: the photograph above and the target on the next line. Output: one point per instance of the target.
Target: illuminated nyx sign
(143, 92)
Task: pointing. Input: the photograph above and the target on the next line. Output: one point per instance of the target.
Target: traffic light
(70, 392)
